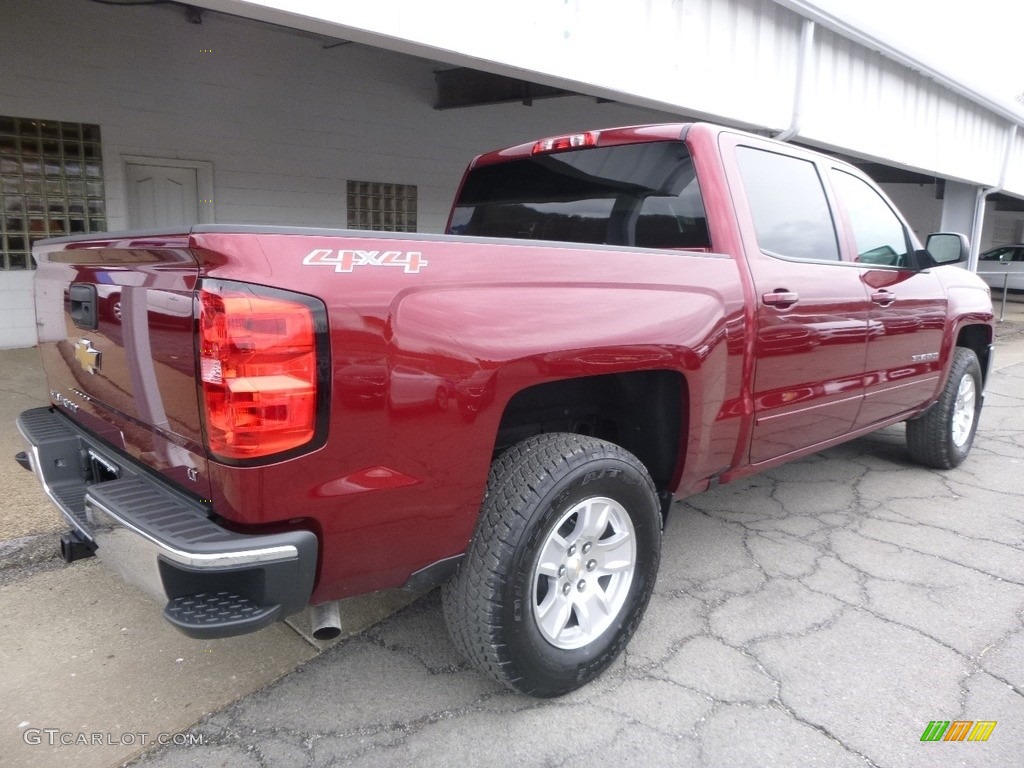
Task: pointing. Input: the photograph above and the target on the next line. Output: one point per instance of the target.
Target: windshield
(635, 194)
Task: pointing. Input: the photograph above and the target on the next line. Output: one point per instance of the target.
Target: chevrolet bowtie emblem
(87, 355)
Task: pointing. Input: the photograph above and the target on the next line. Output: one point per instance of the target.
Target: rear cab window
(643, 195)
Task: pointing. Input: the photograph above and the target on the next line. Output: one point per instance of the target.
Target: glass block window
(386, 207)
(51, 184)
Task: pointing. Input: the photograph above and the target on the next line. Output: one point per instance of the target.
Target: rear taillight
(258, 361)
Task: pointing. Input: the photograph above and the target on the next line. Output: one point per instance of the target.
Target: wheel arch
(978, 338)
(644, 412)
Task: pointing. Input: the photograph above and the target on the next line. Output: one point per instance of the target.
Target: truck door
(812, 308)
(908, 305)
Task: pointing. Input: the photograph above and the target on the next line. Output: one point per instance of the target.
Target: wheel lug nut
(581, 586)
(572, 550)
(592, 565)
(586, 547)
(566, 589)
(561, 570)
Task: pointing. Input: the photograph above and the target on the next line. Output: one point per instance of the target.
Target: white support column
(958, 207)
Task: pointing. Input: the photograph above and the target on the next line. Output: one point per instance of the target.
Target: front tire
(561, 566)
(943, 435)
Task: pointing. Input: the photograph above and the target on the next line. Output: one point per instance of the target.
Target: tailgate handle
(83, 306)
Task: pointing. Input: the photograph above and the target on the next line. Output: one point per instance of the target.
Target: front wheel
(943, 436)
(561, 566)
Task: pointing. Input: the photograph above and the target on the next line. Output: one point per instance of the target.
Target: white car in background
(1003, 266)
(165, 306)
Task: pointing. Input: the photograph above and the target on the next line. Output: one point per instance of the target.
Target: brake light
(559, 143)
(258, 367)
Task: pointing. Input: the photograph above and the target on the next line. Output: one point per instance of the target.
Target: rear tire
(943, 435)
(561, 566)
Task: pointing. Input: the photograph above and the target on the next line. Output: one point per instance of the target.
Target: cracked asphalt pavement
(822, 613)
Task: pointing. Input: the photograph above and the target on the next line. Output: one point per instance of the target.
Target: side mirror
(948, 248)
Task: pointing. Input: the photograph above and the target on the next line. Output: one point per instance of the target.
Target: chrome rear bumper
(216, 582)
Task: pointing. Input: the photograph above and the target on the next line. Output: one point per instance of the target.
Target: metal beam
(462, 87)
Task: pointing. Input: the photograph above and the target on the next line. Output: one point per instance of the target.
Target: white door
(162, 196)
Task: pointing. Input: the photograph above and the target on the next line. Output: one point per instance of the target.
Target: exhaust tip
(326, 633)
(326, 620)
(73, 546)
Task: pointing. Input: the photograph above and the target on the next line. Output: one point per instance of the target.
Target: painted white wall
(17, 315)
(283, 121)
(718, 57)
(917, 202)
(734, 60)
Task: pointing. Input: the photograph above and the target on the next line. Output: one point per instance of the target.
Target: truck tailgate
(116, 335)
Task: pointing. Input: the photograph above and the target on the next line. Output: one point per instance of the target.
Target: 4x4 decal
(346, 261)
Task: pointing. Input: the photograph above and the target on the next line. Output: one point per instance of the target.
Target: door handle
(780, 298)
(883, 298)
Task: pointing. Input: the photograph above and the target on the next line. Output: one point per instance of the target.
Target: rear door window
(788, 204)
(643, 195)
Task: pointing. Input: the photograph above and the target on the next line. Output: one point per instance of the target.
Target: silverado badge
(87, 355)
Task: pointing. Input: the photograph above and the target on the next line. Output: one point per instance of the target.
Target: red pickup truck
(251, 420)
